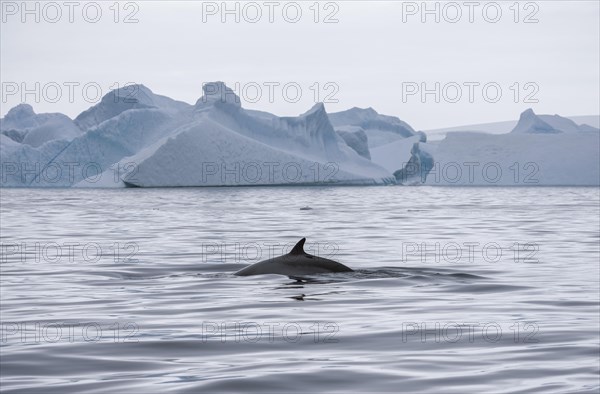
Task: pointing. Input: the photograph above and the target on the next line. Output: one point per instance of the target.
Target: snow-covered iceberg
(137, 138)
(515, 159)
(225, 145)
(23, 125)
(531, 123)
(134, 137)
(123, 99)
(540, 150)
(386, 141)
(380, 129)
(357, 140)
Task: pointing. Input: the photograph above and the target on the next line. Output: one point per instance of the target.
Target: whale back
(294, 264)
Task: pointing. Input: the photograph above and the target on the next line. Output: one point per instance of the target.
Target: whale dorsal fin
(299, 248)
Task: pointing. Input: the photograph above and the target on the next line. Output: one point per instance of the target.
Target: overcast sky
(373, 54)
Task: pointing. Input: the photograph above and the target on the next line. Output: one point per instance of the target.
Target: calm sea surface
(456, 290)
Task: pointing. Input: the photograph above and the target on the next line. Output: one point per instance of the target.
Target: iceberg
(126, 98)
(531, 123)
(380, 129)
(357, 140)
(23, 125)
(409, 159)
(517, 159)
(385, 140)
(225, 145)
(548, 150)
(134, 137)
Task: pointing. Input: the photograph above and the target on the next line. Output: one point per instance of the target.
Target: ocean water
(456, 290)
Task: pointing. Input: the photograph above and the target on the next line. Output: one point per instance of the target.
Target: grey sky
(367, 56)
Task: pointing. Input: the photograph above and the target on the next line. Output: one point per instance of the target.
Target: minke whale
(294, 264)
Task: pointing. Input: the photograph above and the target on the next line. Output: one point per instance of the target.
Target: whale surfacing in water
(294, 264)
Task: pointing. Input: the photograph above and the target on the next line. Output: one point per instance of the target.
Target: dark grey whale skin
(294, 264)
